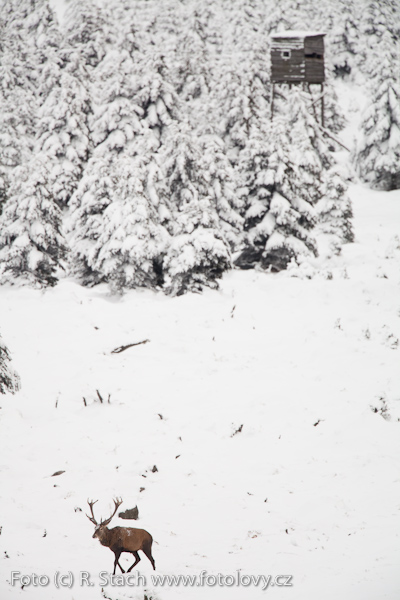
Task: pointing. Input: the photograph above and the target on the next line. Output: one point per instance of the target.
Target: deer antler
(92, 518)
(117, 504)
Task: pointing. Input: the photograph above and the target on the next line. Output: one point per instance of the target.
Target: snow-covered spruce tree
(88, 31)
(154, 94)
(32, 245)
(116, 234)
(279, 218)
(283, 166)
(308, 142)
(43, 31)
(377, 156)
(222, 185)
(343, 47)
(211, 21)
(113, 125)
(63, 134)
(334, 119)
(198, 253)
(9, 379)
(116, 221)
(124, 16)
(243, 23)
(115, 122)
(334, 210)
(159, 27)
(30, 40)
(130, 247)
(240, 101)
(88, 34)
(18, 72)
(194, 60)
(378, 19)
(290, 15)
(85, 223)
(14, 146)
(31, 242)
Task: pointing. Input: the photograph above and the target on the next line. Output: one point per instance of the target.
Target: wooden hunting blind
(297, 56)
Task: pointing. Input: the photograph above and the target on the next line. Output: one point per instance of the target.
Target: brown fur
(125, 539)
(122, 539)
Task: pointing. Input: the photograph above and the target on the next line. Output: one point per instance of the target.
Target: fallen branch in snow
(328, 133)
(122, 348)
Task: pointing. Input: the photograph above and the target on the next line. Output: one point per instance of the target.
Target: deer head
(101, 528)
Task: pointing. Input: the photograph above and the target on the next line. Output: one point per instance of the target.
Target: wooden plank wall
(314, 57)
(298, 67)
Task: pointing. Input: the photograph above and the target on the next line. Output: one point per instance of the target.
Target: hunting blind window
(313, 55)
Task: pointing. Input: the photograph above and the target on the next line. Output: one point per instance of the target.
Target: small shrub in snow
(382, 408)
(9, 380)
(334, 209)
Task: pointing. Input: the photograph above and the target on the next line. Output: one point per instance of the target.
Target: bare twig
(99, 395)
(238, 430)
(122, 348)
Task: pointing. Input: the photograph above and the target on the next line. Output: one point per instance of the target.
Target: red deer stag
(122, 539)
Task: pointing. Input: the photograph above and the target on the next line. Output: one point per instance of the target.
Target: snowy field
(270, 408)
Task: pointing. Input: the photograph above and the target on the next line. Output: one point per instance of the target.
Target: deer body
(122, 539)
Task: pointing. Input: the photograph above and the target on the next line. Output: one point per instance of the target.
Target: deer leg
(136, 555)
(147, 550)
(117, 555)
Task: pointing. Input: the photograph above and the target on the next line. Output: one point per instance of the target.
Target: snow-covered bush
(9, 379)
(334, 209)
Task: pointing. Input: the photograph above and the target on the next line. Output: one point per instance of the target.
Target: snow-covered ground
(306, 369)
